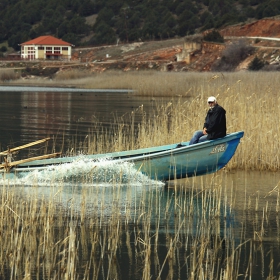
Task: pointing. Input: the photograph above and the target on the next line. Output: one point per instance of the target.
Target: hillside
(95, 23)
(262, 35)
(268, 27)
(161, 55)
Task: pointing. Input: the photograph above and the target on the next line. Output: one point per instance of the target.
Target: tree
(269, 11)
(114, 5)
(148, 31)
(165, 32)
(204, 17)
(254, 2)
(134, 35)
(77, 25)
(3, 31)
(186, 6)
(265, 10)
(169, 20)
(105, 15)
(104, 34)
(186, 23)
(15, 40)
(256, 64)
(87, 8)
(250, 12)
(71, 38)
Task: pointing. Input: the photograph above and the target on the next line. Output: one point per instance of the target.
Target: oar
(23, 146)
(14, 163)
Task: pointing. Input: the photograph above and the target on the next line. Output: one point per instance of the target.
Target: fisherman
(215, 123)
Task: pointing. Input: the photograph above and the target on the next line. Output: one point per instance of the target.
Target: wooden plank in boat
(14, 163)
(4, 153)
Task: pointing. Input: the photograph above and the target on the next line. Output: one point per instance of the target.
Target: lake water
(247, 218)
(32, 114)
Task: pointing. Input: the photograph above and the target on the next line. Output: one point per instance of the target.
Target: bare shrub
(8, 74)
(40, 71)
(232, 56)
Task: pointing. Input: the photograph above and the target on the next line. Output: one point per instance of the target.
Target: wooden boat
(159, 163)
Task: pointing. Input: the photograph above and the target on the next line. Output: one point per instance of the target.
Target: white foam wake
(84, 171)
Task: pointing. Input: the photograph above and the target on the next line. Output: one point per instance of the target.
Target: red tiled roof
(46, 40)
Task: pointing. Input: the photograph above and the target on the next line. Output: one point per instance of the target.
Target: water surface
(28, 116)
(247, 217)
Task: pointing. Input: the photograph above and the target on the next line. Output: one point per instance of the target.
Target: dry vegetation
(44, 237)
(179, 233)
(8, 75)
(250, 99)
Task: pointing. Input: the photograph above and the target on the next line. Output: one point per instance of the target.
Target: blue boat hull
(188, 161)
(163, 162)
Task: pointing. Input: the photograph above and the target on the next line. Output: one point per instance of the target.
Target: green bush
(214, 36)
(256, 64)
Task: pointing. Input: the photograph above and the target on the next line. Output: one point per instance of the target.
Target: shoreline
(42, 88)
(32, 83)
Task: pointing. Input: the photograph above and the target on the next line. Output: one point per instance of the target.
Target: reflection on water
(29, 116)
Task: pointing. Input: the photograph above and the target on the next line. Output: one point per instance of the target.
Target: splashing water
(88, 172)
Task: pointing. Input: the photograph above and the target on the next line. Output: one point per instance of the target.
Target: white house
(46, 47)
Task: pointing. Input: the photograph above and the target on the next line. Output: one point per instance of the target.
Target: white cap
(211, 99)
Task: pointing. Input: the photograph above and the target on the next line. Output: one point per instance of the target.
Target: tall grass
(188, 232)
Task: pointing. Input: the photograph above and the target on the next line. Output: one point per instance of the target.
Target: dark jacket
(215, 122)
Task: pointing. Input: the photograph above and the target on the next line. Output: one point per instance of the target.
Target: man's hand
(204, 131)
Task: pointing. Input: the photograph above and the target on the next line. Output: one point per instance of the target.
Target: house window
(40, 48)
(48, 49)
(56, 49)
(65, 48)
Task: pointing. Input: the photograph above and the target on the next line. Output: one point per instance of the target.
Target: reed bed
(148, 232)
(127, 232)
(250, 99)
